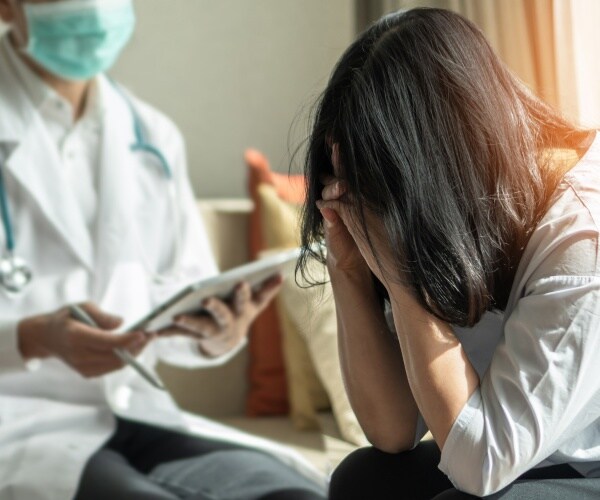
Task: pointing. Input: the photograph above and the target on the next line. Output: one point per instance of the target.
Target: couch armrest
(226, 222)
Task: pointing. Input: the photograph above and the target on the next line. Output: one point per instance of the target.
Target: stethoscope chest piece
(15, 274)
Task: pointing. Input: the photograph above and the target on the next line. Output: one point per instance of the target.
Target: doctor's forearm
(372, 365)
(29, 342)
(440, 375)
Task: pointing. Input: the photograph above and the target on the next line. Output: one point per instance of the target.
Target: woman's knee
(371, 473)
(353, 474)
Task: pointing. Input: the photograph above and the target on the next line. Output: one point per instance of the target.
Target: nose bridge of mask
(77, 39)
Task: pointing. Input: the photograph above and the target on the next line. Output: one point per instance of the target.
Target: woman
(436, 182)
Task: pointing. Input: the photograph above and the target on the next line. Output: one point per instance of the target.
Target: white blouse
(538, 402)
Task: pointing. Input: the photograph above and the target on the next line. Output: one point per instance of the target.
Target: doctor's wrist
(28, 339)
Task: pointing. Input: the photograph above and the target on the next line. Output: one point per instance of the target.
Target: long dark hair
(446, 147)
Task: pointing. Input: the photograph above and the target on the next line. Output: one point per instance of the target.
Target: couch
(220, 392)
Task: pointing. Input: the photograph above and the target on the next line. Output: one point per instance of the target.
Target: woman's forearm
(440, 375)
(372, 365)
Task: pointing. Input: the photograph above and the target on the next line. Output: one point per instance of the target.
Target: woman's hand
(225, 325)
(348, 248)
(347, 244)
(342, 252)
(86, 349)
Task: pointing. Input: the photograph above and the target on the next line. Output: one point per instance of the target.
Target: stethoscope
(16, 274)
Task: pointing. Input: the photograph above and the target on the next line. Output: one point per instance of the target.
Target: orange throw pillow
(267, 393)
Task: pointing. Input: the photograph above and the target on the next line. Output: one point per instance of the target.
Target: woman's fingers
(326, 179)
(330, 216)
(333, 187)
(333, 190)
(333, 211)
(335, 158)
(336, 211)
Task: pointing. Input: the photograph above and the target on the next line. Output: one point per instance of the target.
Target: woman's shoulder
(576, 204)
(580, 186)
(565, 242)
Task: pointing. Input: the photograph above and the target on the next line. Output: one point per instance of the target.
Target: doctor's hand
(86, 349)
(223, 325)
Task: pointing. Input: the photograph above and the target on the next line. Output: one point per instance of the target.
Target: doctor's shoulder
(161, 129)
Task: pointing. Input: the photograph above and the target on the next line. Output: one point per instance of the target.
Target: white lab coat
(51, 419)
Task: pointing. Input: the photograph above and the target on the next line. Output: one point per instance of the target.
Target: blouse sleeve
(541, 388)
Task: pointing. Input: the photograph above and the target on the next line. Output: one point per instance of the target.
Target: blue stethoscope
(15, 273)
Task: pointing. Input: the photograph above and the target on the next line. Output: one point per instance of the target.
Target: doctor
(97, 210)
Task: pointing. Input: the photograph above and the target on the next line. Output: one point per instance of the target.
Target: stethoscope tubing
(6, 217)
(141, 143)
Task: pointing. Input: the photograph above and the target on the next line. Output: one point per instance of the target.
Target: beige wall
(234, 74)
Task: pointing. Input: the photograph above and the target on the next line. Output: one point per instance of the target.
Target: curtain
(552, 45)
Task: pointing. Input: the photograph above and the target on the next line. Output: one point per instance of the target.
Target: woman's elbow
(483, 480)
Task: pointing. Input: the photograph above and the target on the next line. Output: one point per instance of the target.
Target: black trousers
(369, 474)
(143, 462)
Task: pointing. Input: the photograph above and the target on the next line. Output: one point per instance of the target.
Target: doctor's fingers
(221, 312)
(242, 298)
(219, 344)
(265, 294)
(101, 340)
(197, 327)
(89, 362)
(92, 361)
(96, 366)
(103, 319)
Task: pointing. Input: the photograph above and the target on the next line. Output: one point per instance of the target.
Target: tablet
(188, 300)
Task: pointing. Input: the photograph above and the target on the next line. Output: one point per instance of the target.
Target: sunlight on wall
(586, 50)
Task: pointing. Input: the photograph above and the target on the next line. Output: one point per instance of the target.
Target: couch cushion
(309, 325)
(267, 394)
(305, 391)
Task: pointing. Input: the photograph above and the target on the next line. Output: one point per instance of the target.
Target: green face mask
(77, 39)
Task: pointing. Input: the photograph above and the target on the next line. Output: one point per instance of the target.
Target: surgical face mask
(77, 39)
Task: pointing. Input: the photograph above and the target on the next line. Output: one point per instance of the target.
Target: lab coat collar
(16, 109)
(36, 90)
(23, 134)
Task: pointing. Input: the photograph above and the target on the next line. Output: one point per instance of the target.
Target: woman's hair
(446, 147)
